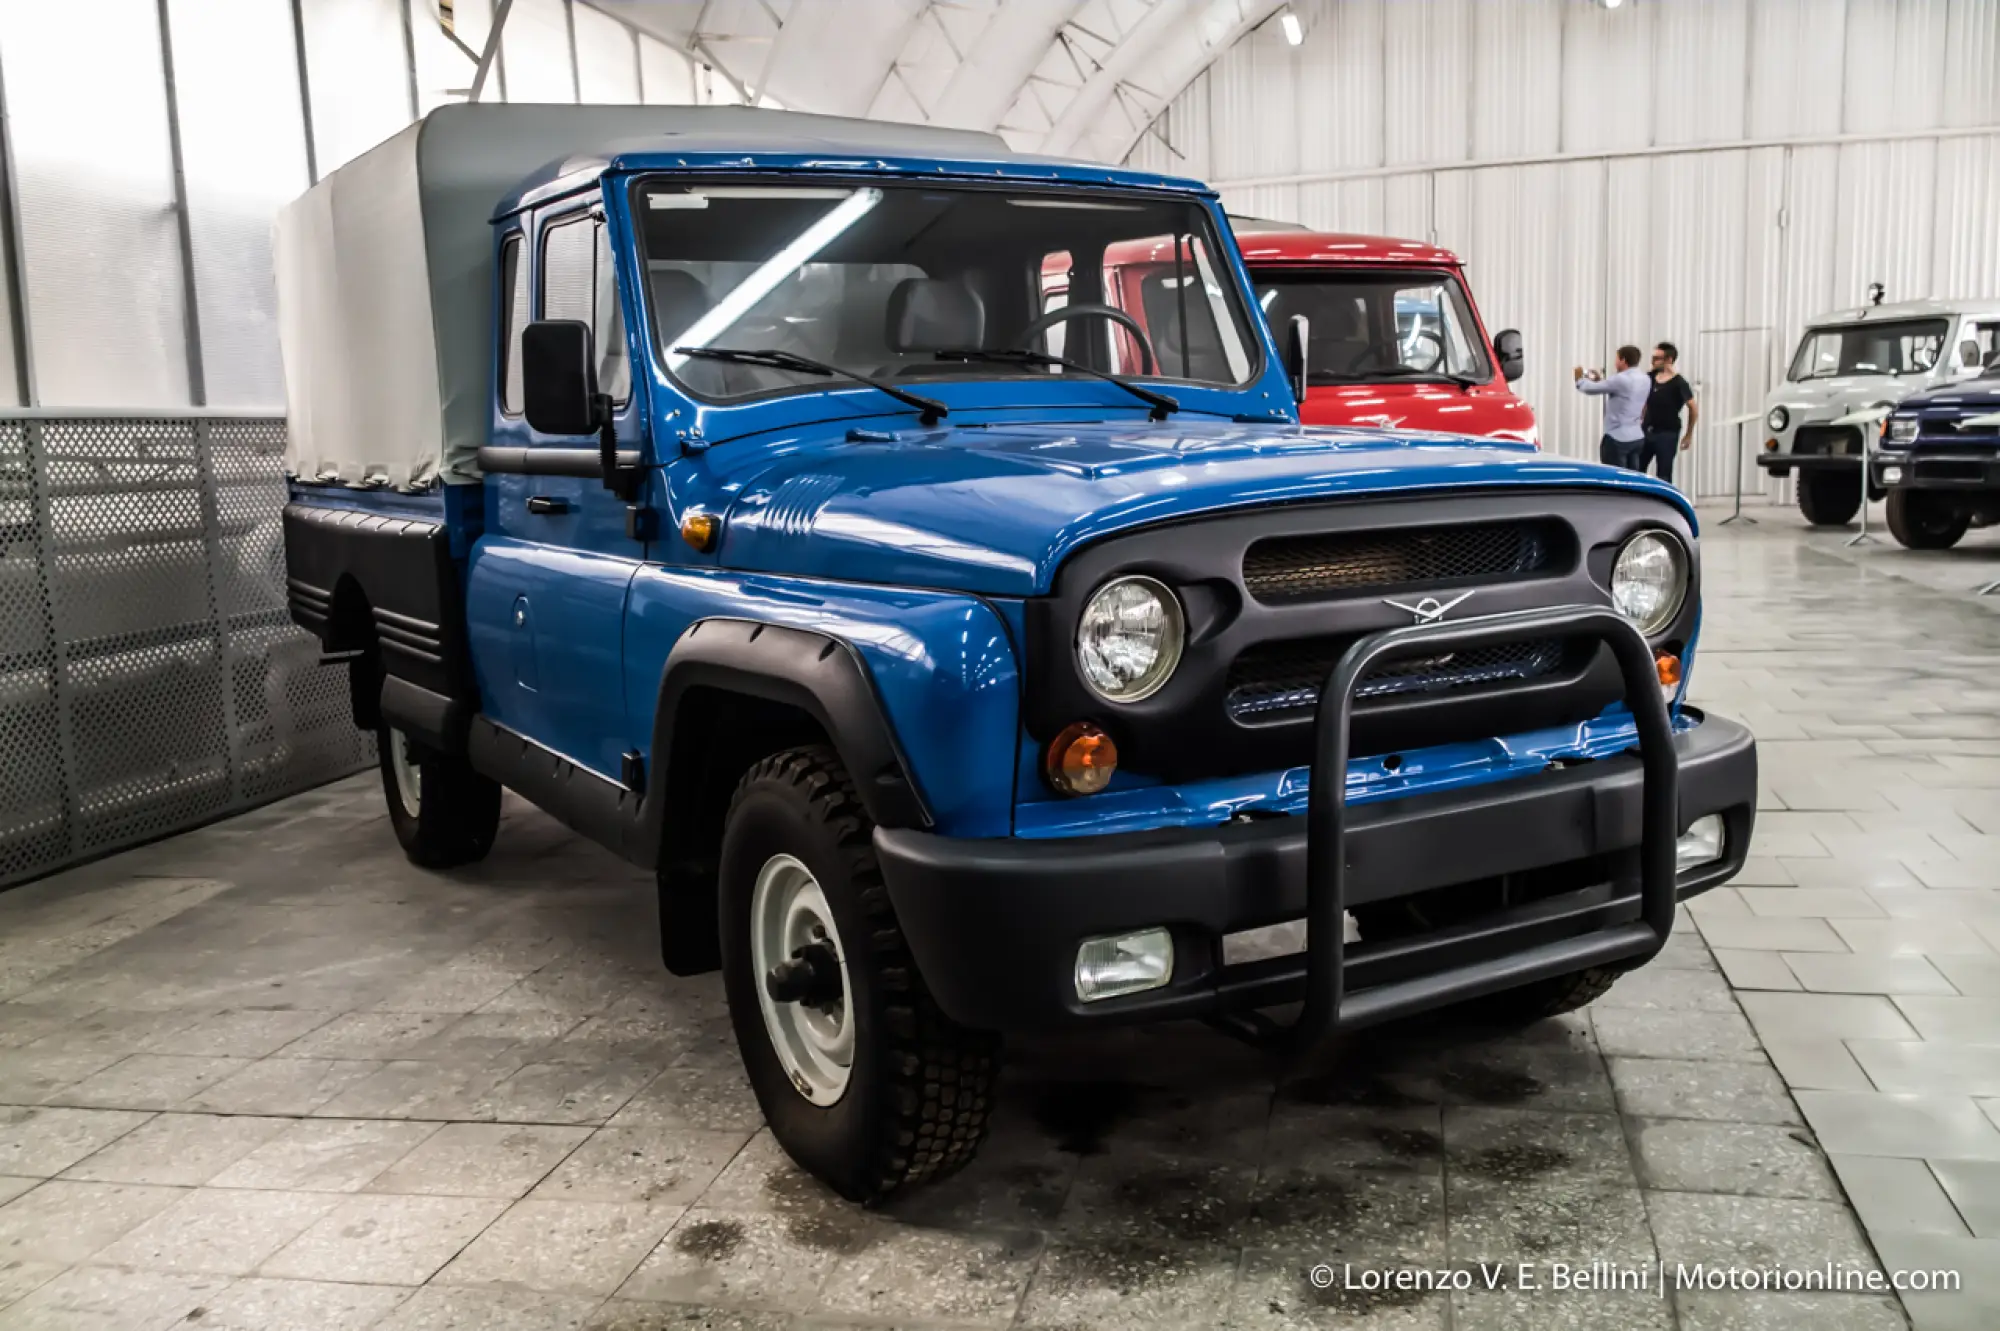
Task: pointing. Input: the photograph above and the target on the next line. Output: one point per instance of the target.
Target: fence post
(213, 554)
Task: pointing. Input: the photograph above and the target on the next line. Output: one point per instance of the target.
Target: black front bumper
(1973, 472)
(995, 924)
(1781, 464)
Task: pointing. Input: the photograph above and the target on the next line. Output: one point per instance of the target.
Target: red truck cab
(1394, 339)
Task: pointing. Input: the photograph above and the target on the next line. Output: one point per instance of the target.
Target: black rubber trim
(820, 675)
(1808, 461)
(437, 720)
(995, 923)
(582, 463)
(402, 567)
(1940, 471)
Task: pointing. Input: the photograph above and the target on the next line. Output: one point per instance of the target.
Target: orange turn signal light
(1081, 759)
(701, 530)
(1669, 667)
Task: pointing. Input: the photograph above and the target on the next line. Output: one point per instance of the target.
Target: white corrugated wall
(1708, 172)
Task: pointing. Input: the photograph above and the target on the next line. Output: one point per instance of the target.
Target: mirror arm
(621, 480)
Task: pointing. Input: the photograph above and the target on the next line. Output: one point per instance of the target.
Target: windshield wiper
(1162, 405)
(1465, 381)
(932, 410)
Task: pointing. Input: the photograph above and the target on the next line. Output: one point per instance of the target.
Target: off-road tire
(457, 814)
(920, 1087)
(1547, 998)
(1829, 497)
(1920, 520)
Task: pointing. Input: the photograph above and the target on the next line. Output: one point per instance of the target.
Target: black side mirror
(1507, 346)
(1296, 342)
(559, 377)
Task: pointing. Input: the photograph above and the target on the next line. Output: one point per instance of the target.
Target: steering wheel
(1424, 350)
(1062, 313)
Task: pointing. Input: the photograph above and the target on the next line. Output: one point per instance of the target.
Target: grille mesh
(1275, 683)
(1290, 568)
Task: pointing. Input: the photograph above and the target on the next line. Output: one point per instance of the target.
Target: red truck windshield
(1367, 327)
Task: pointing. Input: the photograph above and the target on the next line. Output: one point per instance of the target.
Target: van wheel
(1921, 520)
(1827, 497)
(1547, 998)
(864, 1082)
(444, 813)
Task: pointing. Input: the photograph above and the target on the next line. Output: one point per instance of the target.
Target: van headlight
(1649, 580)
(1778, 419)
(1129, 638)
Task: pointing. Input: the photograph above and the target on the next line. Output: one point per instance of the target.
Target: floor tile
(1866, 973)
(1911, 1126)
(1754, 1159)
(1953, 1020)
(240, 1033)
(280, 1086)
(1129, 1287)
(934, 1275)
(1974, 1188)
(102, 1298)
(1974, 1306)
(62, 1221)
(1755, 970)
(325, 1156)
(1721, 1092)
(1742, 1232)
(735, 1259)
(1896, 1196)
(219, 1231)
(563, 1247)
(148, 1081)
(1812, 1016)
(481, 1160)
(1929, 1067)
(439, 1308)
(1817, 1065)
(384, 1240)
(641, 1165)
(185, 1150)
(1725, 1310)
(309, 1305)
(44, 1142)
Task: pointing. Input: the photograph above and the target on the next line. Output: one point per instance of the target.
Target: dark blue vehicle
(956, 686)
(1939, 460)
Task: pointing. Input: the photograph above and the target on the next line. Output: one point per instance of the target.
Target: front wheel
(1921, 520)
(445, 814)
(865, 1083)
(1829, 497)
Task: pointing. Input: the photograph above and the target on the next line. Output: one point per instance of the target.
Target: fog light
(1700, 844)
(1892, 475)
(1125, 964)
(1669, 667)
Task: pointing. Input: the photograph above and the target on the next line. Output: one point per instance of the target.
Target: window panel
(606, 62)
(244, 153)
(614, 362)
(100, 234)
(569, 269)
(514, 281)
(360, 77)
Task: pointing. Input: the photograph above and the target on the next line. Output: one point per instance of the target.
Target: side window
(579, 281)
(1054, 295)
(1180, 302)
(513, 317)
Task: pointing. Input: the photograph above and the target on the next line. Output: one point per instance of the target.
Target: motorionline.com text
(1559, 1277)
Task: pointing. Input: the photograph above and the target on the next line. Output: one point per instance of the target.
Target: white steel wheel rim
(815, 1045)
(409, 776)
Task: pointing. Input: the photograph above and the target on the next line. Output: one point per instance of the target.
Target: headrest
(930, 315)
(679, 300)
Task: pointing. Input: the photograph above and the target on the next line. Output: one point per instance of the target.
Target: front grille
(1294, 568)
(1954, 469)
(1827, 440)
(1279, 681)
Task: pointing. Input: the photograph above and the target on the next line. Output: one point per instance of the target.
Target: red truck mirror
(1507, 346)
(559, 377)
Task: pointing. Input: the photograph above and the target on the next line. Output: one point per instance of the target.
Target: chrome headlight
(1778, 418)
(1649, 580)
(1902, 429)
(1129, 639)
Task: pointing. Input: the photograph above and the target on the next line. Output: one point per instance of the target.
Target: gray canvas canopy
(385, 270)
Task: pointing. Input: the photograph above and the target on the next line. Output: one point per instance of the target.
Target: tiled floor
(266, 1075)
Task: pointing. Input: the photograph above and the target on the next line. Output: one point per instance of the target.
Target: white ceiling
(1082, 78)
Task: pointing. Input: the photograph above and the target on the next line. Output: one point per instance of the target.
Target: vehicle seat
(927, 315)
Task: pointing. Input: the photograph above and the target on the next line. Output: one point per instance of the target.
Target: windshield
(879, 279)
(1909, 346)
(1371, 326)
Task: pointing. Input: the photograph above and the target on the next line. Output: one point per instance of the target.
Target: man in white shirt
(1624, 393)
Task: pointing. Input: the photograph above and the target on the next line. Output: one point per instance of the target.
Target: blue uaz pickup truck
(967, 653)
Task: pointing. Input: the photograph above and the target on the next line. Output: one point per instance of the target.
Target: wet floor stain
(709, 1240)
(1515, 1164)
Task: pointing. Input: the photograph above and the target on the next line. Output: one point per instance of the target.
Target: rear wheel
(445, 814)
(1829, 497)
(865, 1083)
(1924, 520)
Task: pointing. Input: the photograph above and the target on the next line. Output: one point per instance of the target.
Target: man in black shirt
(1662, 419)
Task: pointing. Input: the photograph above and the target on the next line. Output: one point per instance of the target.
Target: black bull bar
(1328, 1008)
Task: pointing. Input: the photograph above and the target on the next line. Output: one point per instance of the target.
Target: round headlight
(1129, 639)
(1649, 580)
(1778, 419)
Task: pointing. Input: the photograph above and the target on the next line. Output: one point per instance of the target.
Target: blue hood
(996, 509)
(1969, 396)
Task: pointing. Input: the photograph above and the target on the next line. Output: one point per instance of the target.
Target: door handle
(547, 505)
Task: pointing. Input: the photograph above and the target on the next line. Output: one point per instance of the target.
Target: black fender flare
(821, 675)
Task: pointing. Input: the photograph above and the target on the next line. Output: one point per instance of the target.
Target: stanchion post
(1864, 536)
(1737, 516)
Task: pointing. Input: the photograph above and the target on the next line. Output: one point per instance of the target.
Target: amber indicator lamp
(701, 530)
(1081, 759)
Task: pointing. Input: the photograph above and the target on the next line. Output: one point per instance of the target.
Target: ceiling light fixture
(1290, 23)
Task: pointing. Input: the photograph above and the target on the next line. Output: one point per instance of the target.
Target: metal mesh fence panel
(150, 678)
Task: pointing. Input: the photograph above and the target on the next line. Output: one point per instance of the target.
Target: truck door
(546, 594)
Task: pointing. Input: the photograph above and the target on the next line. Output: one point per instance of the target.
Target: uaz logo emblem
(1429, 610)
